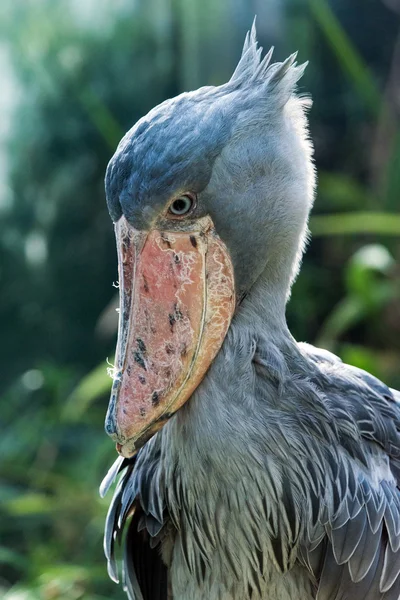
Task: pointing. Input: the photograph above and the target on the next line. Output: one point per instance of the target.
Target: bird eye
(181, 205)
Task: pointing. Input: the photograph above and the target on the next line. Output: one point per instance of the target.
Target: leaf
(367, 292)
(21, 593)
(95, 384)
(377, 223)
(347, 313)
(361, 357)
(28, 504)
(13, 558)
(373, 257)
(101, 116)
(341, 191)
(363, 273)
(347, 55)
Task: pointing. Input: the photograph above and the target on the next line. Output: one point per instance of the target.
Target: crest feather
(252, 68)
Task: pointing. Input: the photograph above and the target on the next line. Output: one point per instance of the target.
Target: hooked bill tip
(125, 451)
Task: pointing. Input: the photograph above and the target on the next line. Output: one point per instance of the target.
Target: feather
(331, 577)
(145, 575)
(112, 473)
(394, 592)
(346, 539)
(361, 561)
(375, 509)
(391, 569)
(111, 531)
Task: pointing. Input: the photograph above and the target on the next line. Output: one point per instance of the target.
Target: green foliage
(355, 223)
(350, 60)
(369, 288)
(91, 387)
(84, 72)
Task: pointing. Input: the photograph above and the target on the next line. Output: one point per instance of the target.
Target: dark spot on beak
(155, 399)
(193, 241)
(165, 240)
(142, 379)
(177, 312)
(175, 316)
(139, 359)
(141, 346)
(177, 260)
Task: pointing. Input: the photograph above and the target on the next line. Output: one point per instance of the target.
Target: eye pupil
(181, 205)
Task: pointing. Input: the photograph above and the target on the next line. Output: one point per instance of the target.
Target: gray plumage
(279, 478)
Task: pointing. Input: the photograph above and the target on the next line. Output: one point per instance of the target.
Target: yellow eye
(182, 205)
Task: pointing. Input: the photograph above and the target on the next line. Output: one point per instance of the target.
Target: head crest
(253, 69)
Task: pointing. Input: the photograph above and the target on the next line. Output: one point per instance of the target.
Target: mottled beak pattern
(177, 299)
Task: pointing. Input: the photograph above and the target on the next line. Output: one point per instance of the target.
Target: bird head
(210, 193)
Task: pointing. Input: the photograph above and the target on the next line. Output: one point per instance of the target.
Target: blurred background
(75, 75)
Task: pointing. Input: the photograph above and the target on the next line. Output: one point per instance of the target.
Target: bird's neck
(257, 347)
(263, 308)
(242, 377)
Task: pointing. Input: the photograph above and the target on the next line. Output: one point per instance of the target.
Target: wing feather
(358, 556)
(137, 507)
(346, 538)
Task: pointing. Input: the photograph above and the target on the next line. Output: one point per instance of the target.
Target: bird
(250, 466)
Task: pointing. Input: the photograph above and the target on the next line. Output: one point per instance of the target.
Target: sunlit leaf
(361, 357)
(364, 271)
(29, 504)
(355, 223)
(22, 593)
(373, 257)
(95, 384)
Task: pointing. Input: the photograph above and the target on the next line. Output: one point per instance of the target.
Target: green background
(75, 75)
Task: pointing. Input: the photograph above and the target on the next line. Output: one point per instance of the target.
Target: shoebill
(251, 466)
